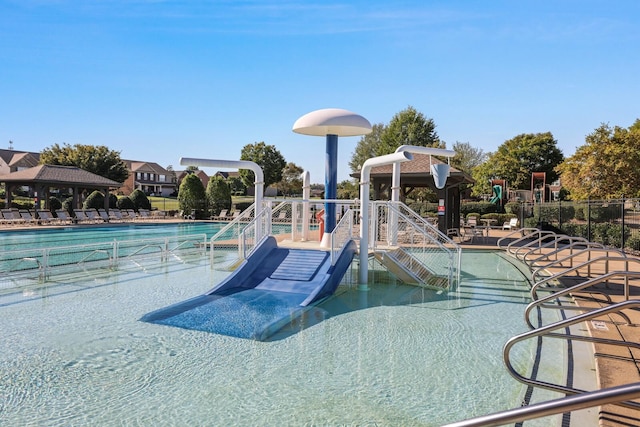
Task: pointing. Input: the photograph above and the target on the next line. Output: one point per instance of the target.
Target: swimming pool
(74, 353)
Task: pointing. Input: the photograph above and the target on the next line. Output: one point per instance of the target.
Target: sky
(157, 80)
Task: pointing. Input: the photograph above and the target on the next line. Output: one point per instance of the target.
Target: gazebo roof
(59, 175)
(416, 171)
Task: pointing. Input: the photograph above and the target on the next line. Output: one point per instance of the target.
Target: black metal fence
(613, 223)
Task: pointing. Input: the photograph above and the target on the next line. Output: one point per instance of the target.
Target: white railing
(253, 233)
(342, 234)
(41, 264)
(393, 224)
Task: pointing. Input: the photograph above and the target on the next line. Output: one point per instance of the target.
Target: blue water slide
(273, 286)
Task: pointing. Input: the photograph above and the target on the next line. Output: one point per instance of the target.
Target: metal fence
(614, 223)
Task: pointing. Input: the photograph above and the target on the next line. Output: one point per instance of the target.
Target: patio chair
(27, 217)
(81, 217)
(104, 215)
(144, 214)
(64, 217)
(93, 215)
(221, 216)
(115, 215)
(46, 217)
(472, 229)
(513, 223)
(12, 217)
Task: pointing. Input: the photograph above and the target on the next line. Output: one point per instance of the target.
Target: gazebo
(43, 178)
(417, 174)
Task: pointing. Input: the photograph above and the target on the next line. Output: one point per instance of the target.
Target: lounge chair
(81, 217)
(104, 215)
(64, 217)
(513, 223)
(27, 217)
(221, 216)
(144, 214)
(471, 228)
(131, 214)
(12, 217)
(115, 215)
(93, 215)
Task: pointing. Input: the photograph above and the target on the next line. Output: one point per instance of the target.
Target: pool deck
(614, 365)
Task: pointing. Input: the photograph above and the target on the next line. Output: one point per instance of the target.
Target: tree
(191, 196)
(467, 158)
(268, 158)
(140, 200)
(99, 160)
(367, 147)
(348, 189)
(218, 195)
(606, 165)
(237, 186)
(291, 183)
(517, 158)
(408, 127)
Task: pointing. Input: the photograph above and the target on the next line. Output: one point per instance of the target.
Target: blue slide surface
(269, 289)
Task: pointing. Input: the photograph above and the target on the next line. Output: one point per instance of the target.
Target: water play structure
(273, 281)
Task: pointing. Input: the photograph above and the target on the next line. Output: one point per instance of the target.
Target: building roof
(149, 167)
(416, 170)
(59, 175)
(15, 158)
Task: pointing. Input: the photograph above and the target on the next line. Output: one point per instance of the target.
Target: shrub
(191, 196)
(54, 204)
(218, 195)
(140, 200)
(95, 200)
(125, 203)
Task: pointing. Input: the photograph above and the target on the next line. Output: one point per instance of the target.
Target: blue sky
(158, 80)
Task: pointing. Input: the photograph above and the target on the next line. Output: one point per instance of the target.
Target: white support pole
(234, 164)
(306, 195)
(364, 208)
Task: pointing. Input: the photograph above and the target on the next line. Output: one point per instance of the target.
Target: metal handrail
(547, 331)
(572, 241)
(576, 268)
(539, 243)
(588, 262)
(341, 234)
(563, 292)
(571, 247)
(526, 234)
(611, 395)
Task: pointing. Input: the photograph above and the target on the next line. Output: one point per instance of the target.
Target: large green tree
(95, 159)
(408, 127)
(606, 165)
(517, 158)
(367, 147)
(268, 158)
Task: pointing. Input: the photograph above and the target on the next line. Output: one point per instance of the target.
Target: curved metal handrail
(539, 243)
(588, 263)
(520, 231)
(611, 395)
(539, 302)
(623, 256)
(537, 232)
(547, 331)
(572, 241)
(570, 248)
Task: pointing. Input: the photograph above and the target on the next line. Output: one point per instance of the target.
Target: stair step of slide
(300, 265)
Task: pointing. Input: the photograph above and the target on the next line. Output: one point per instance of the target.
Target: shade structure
(332, 121)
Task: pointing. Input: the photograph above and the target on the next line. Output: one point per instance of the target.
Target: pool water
(75, 353)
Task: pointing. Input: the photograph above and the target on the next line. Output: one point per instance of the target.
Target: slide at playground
(497, 190)
(269, 290)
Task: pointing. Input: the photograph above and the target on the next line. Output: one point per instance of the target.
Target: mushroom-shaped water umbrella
(331, 123)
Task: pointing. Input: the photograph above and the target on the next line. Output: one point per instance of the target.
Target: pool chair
(27, 217)
(472, 230)
(104, 215)
(46, 217)
(64, 217)
(513, 223)
(12, 217)
(115, 215)
(81, 217)
(221, 216)
(144, 214)
(93, 215)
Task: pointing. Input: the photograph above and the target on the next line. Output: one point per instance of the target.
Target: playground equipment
(331, 123)
(499, 188)
(538, 186)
